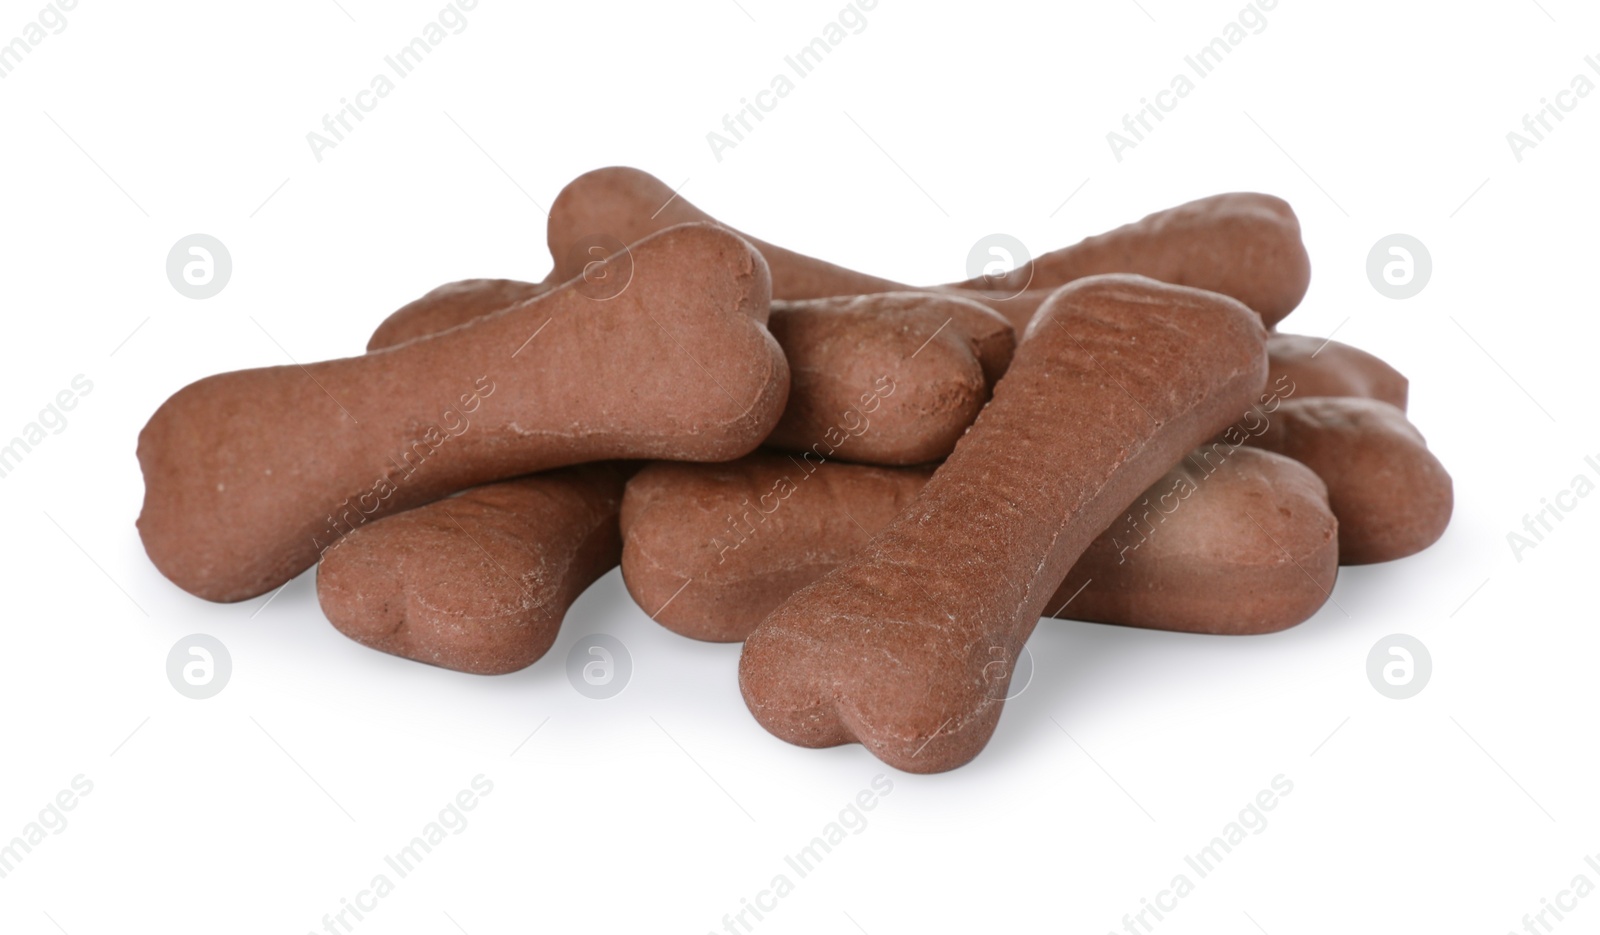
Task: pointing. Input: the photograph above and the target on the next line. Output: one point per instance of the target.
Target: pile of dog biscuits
(879, 488)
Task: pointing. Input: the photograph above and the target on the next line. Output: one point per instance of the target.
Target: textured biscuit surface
(478, 582)
(1117, 379)
(711, 549)
(1231, 540)
(1243, 244)
(900, 374)
(454, 303)
(628, 204)
(1392, 496)
(1321, 367)
(249, 475)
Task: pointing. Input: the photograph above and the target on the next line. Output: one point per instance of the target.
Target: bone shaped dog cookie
(249, 475)
(887, 378)
(478, 582)
(1231, 540)
(1118, 377)
(1242, 244)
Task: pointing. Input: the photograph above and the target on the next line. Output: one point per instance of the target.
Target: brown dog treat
(1117, 379)
(1017, 309)
(1242, 244)
(481, 581)
(249, 475)
(1321, 367)
(627, 204)
(1392, 496)
(711, 549)
(457, 303)
(889, 378)
(893, 378)
(1231, 541)
(452, 304)
(991, 337)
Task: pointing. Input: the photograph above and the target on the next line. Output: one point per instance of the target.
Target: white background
(659, 810)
